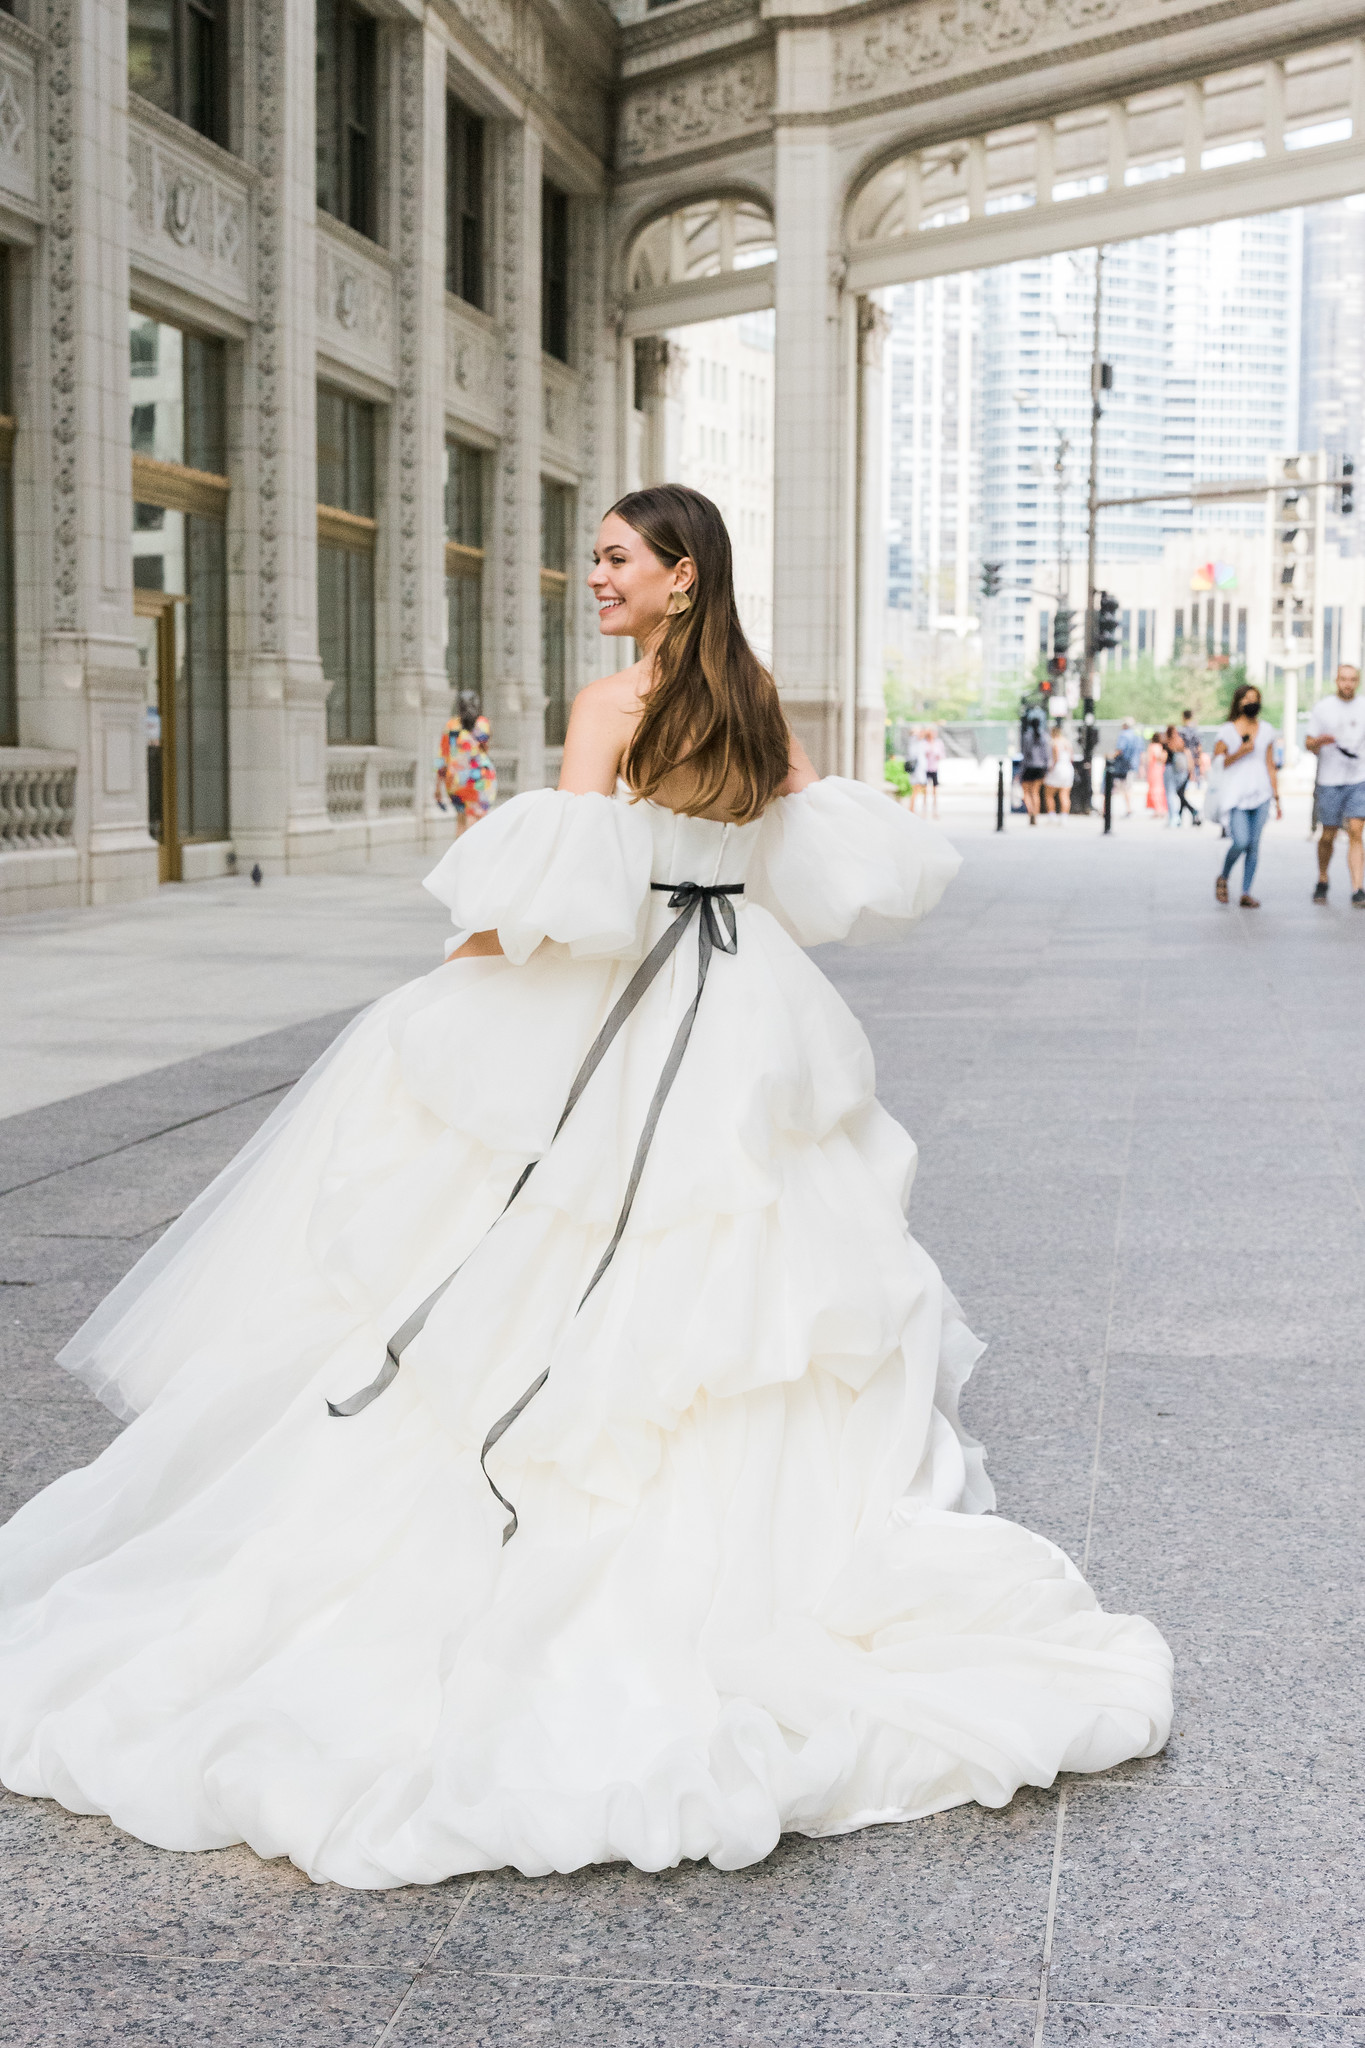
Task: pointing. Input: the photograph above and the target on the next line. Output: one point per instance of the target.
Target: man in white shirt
(1336, 734)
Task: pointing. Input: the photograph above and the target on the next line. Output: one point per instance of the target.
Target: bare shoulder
(800, 773)
(617, 696)
(603, 717)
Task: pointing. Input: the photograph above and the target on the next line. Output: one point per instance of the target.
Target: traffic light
(1348, 489)
(1063, 626)
(990, 578)
(1107, 623)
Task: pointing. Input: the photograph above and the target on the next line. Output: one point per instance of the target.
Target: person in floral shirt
(466, 780)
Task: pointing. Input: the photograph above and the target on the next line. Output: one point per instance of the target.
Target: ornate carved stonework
(18, 125)
(354, 302)
(409, 408)
(189, 216)
(589, 349)
(495, 21)
(510, 454)
(270, 286)
(888, 53)
(471, 368)
(709, 106)
(61, 173)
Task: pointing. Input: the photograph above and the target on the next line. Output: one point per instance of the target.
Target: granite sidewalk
(1142, 1163)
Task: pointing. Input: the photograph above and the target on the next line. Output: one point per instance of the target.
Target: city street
(1142, 1170)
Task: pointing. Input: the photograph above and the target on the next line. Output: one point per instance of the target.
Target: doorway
(159, 629)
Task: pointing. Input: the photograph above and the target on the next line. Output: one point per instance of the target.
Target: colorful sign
(1214, 576)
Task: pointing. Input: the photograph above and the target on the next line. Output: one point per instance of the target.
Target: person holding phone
(1246, 748)
(1336, 734)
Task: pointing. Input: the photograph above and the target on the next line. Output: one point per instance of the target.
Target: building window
(348, 51)
(9, 672)
(177, 59)
(464, 489)
(180, 501)
(346, 542)
(464, 202)
(1180, 629)
(556, 524)
(1241, 631)
(554, 272)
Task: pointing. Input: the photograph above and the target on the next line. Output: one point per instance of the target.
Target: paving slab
(1172, 1290)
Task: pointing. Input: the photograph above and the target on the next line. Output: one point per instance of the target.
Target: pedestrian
(1176, 777)
(1125, 760)
(1035, 751)
(915, 769)
(1061, 772)
(1156, 775)
(1336, 735)
(1250, 785)
(1194, 747)
(466, 780)
(933, 761)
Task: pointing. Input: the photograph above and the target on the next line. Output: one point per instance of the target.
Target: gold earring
(680, 601)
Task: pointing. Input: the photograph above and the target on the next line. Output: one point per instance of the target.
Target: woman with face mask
(1245, 747)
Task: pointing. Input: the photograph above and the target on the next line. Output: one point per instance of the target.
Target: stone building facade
(327, 327)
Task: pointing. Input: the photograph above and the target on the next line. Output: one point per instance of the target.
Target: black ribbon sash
(709, 903)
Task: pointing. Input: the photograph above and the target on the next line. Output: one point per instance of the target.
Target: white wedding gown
(755, 1587)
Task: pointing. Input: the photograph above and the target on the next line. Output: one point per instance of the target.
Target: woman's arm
(1273, 773)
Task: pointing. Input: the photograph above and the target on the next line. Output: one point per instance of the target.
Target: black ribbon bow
(709, 903)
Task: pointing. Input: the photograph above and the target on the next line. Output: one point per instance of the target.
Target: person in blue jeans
(1244, 755)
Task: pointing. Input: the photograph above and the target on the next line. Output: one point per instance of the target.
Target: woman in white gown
(752, 1584)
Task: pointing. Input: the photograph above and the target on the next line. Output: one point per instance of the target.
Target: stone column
(870, 721)
(659, 367)
(92, 699)
(812, 417)
(278, 735)
(416, 701)
(519, 720)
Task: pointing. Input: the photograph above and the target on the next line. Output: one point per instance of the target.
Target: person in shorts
(1035, 750)
(933, 761)
(1336, 735)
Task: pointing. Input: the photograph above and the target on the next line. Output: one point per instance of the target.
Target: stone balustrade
(366, 784)
(37, 800)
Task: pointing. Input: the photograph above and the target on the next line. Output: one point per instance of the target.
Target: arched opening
(707, 260)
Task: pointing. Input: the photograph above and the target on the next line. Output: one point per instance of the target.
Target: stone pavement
(1142, 1158)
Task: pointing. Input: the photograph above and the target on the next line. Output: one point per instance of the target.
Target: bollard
(1000, 796)
(1108, 796)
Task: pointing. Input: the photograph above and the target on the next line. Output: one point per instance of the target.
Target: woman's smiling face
(631, 585)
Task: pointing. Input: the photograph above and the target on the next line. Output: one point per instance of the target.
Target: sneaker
(1320, 893)
(1359, 899)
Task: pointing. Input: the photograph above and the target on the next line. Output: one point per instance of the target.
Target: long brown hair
(712, 705)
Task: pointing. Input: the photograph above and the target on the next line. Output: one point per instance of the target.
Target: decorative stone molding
(62, 330)
(717, 104)
(511, 454)
(495, 21)
(409, 407)
(18, 121)
(355, 292)
(190, 215)
(892, 52)
(37, 799)
(590, 348)
(271, 287)
(471, 367)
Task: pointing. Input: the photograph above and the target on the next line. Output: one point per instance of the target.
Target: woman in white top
(1062, 773)
(1246, 748)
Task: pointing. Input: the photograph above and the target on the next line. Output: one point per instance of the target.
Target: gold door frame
(160, 605)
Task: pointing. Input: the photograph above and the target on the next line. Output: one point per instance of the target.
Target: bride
(543, 1443)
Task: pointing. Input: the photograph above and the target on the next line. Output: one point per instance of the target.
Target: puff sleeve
(841, 861)
(551, 865)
